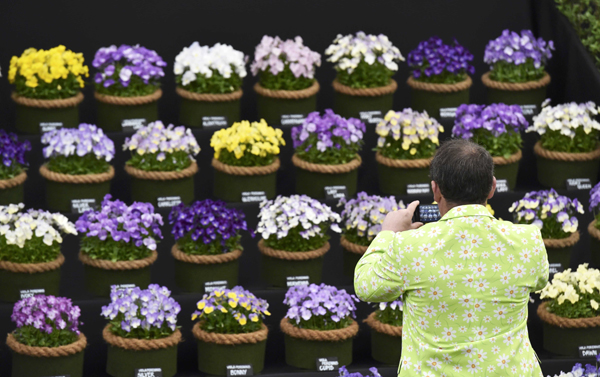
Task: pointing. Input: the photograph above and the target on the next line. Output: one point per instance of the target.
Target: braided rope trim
(565, 156)
(381, 327)
(288, 94)
(420, 163)
(292, 255)
(562, 242)
(515, 86)
(128, 101)
(209, 97)
(352, 247)
(76, 179)
(593, 231)
(568, 323)
(440, 88)
(141, 344)
(317, 335)
(230, 339)
(33, 268)
(246, 170)
(327, 169)
(119, 265)
(13, 182)
(499, 160)
(365, 92)
(205, 259)
(162, 175)
(48, 103)
(66, 350)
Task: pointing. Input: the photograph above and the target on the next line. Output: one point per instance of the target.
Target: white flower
(205, 61)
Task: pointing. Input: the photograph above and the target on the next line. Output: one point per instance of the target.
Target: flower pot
(394, 175)
(311, 179)
(386, 341)
(303, 347)
(31, 361)
(560, 250)
(594, 244)
(15, 277)
(113, 111)
(352, 254)
(148, 186)
(193, 271)
(274, 104)
(433, 97)
(101, 274)
(196, 108)
(125, 355)
(564, 336)
(62, 188)
(217, 351)
(529, 95)
(231, 181)
(554, 168)
(34, 115)
(277, 265)
(508, 168)
(350, 102)
(11, 190)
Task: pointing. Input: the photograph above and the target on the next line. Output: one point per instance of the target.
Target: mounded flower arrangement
(47, 88)
(294, 238)
(386, 332)
(78, 165)
(118, 244)
(230, 330)
(12, 168)
(594, 226)
(142, 331)
(579, 370)
(209, 82)
(127, 86)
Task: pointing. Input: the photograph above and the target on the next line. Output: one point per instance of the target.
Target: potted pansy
(568, 145)
(230, 330)
(30, 256)
(386, 332)
(580, 371)
(554, 214)
(47, 88)
(162, 163)
(78, 165)
(343, 372)
(517, 74)
(209, 82)
(405, 147)
(326, 153)
(294, 238)
(365, 65)
(47, 340)
(594, 226)
(207, 243)
(318, 323)
(12, 168)
(439, 76)
(127, 86)
(245, 159)
(570, 311)
(118, 244)
(497, 128)
(286, 88)
(142, 331)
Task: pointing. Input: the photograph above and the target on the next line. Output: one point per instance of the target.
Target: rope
(128, 101)
(209, 97)
(33, 268)
(48, 103)
(499, 160)
(288, 94)
(352, 247)
(381, 327)
(562, 242)
(292, 255)
(337, 335)
(565, 156)
(76, 179)
(246, 170)
(420, 163)
(13, 182)
(66, 350)
(440, 88)
(593, 231)
(162, 175)
(141, 344)
(119, 265)
(327, 169)
(230, 339)
(365, 92)
(515, 86)
(569, 323)
(205, 259)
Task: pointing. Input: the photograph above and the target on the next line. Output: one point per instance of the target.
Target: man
(465, 280)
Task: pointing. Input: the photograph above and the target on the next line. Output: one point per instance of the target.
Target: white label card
(555, 268)
(292, 119)
(132, 125)
(50, 126)
(149, 372)
(586, 352)
(210, 286)
(371, 117)
(501, 185)
(120, 287)
(529, 109)
(82, 205)
(168, 201)
(448, 112)
(578, 184)
(239, 370)
(418, 188)
(327, 364)
(215, 121)
(335, 192)
(26, 293)
(253, 196)
(293, 281)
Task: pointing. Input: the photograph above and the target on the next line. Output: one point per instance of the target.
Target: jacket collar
(467, 210)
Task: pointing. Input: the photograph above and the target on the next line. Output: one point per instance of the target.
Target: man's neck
(445, 206)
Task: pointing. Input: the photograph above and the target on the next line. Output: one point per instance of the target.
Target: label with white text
(371, 117)
(327, 364)
(589, 351)
(121, 287)
(215, 121)
(418, 188)
(292, 119)
(253, 196)
(149, 372)
(132, 125)
(168, 201)
(502, 185)
(240, 370)
(335, 192)
(50, 126)
(26, 293)
(448, 112)
(529, 109)
(60, 375)
(210, 286)
(578, 184)
(555, 268)
(82, 205)
(293, 281)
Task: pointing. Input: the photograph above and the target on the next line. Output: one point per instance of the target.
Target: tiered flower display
(386, 331)
(594, 226)
(12, 168)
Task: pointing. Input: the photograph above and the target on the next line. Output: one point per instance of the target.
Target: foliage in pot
(585, 18)
(386, 332)
(12, 168)
(594, 226)
(580, 371)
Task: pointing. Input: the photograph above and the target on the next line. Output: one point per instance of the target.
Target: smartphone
(427, 213)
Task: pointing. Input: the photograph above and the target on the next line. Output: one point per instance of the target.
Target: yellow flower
(243, 137)
(242, 321)
(201, 305)
(209, 309)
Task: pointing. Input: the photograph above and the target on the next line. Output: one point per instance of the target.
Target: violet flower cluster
(595, 202)
(12, 153)
(343, 372)
(434, 61)
(86, 139)
(580, 371)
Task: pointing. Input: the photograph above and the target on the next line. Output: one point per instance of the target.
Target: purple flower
(362, 216)
(46, 314)
(86, 139)
(432, 58)
(274, 54)
(498, 119)
(12, 153)
(517, 49)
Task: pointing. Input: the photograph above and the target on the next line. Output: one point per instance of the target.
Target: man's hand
(399, 221)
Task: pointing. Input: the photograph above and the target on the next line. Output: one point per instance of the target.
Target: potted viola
(517, 74)
(594, 227)
(439, 76)
(208, 243)
(327, 150)
(245, 159)
(365, 65)
(318, 323)
(497, 128)
(343, 372)
(209, 82)
(118, 244)
(230, 330)
(570, 312)
(386, 332)
(554, 214)
(162, 163)
(127, 86)
(78, 165)
(286, 88)
(405, 147)
(142, 331)
(294, 238)
(30, 256)
(568, 145)
(580, 371)
(12, 169)
(47, 340)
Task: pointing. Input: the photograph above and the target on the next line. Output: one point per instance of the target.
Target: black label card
(555, 268)
(293, 281)
(210, 286)
(215, 121)
(371, 117)
(253, 196)
(292, 119)
(578, 184)
(50, 126)
(418, 188)
(327, 364)
(590, 352)
(132, 125)
(149, 372)
(120, 287)
(335, 192)
(240, 370)
(529, 110)
(26, 293)
(82, 205)
(501, 186)
(448, 112)
(168, 201)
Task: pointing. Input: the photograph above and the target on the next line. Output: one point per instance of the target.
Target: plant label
(239, 370)
(60, 375)
(418, 188)
(371, 117)
(589, 352)
(253, 196)
(215, 121)
(335, 192)
(292, 119)
(529, 110)
(50, 126)
(555, 268)
(132, 125)
(168, 201)
(26, 293)
(293, 281)
(82, 205)
(448, 112)
(327, 364)
(149, 372)
(210, 286)
(501, 186)
(578, 184)
(120, 287)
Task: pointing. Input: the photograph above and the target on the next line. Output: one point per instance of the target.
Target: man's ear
(437, 194)
(491, 194)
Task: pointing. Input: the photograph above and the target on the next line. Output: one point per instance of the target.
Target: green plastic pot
(28, 119)
(303, 354)
(554, 173)
(432, 102)
(99, 281)
(60, 194)
(275, 271)
(191, 277)
(393, 181)
(271, 109)
(111, 116)
(313, 184)
(13, 283)
(149, 190)
(594, 248)
(508, 172)
(31, 366)
(12, 195)
(350, 261)
(565, 341)
(229, 187)
(385, 348)
(122, 362)
(214, 358)
(517, 97)
(560, 255)
(192, 112)
(349, 106)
